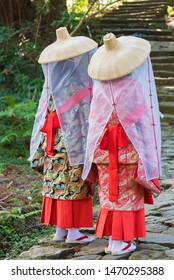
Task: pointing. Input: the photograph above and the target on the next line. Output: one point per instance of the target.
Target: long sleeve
(37, 162)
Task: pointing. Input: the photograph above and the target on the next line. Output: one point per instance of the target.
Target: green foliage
(79, 6)
(16, 122)
(69, 20)
(170, 10)
(18, 232)
(18, 64)
(21, 83)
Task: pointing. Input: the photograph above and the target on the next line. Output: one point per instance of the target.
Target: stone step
(143, 6)
(166, 90)
(157, 53)
(166, 107)
(148, 13)
(168, 118)
(118, 12)
(163, 239)
(162, 45)
(127, 2)
(163, 59)
(114, 19)
(134, 16)
(137, 8)
(164, 81)
(148, 37)
(145, 1)
(164, 74)
(144, 31)
(165, 97)
(133, 4)
(136, 24)
(138, 5)
(163, 66)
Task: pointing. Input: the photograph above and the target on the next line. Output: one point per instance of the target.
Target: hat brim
(115, 63)
(64, 49)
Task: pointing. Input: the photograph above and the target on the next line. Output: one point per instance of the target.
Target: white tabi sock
(110, 243)
(118, 245)
(74, 234)
(60, 232)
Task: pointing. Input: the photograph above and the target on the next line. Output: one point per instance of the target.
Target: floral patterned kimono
(58, 143)
(130, 195)
(64, 191)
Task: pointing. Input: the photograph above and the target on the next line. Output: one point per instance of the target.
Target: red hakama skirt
(67, 213)
(121, 225)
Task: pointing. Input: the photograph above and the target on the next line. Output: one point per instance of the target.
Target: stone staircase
(147, 17)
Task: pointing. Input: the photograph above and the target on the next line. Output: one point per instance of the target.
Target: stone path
(129, 18)
(158, 244)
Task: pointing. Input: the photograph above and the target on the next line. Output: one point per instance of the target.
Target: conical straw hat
(66, 47)
(118, 57)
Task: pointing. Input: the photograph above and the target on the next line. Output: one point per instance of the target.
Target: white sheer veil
(70, 87)
(135, 101)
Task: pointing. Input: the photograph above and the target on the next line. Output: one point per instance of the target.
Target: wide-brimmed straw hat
(118, 57)
(66, 47)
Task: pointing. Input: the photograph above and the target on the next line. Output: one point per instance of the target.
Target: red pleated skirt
(67, 213)
(121, 225)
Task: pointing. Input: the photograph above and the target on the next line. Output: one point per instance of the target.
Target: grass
(20, 201)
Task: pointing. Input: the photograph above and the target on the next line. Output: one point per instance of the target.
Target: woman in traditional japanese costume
(124, 139)
(58, 140)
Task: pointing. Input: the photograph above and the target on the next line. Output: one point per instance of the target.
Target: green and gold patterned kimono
(61, 180)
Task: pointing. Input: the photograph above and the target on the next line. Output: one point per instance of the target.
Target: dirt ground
(19, 187)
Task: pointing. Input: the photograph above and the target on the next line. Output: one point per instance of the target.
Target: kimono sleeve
(37, 163)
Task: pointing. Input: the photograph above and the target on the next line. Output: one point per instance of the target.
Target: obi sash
(113, 138)
(50, 124)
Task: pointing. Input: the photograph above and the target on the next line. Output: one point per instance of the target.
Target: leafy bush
(21, 83)
(20, 74)
(16, 123)
(18, 234)
(170, 9)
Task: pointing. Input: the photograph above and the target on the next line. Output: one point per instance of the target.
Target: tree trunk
(56, 8)
(14, 11)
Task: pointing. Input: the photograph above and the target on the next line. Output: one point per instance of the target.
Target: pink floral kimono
(124, 143)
